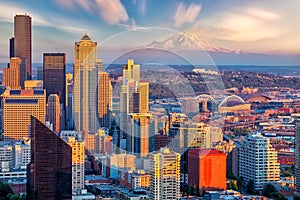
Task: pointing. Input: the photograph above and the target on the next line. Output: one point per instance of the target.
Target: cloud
(186, 14)
(112, 11)
(66, 4)
(249, 24)
(10, 10)
(142, 7)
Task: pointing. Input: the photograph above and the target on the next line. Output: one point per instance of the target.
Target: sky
(267, 30)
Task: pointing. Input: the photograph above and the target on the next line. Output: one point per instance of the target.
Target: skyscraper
(77, 164)
(131, 80)
(19, 105)
(164, 175)
(207, 169)
(15, 76)
(104, 99)
(54, 75)
(53, 112)
(134, 117)
(22, 40)
(144, 97)
(11, 75)
(138, 134)
(85, 84)
(258, 161)
(11, 47)
(49, 174)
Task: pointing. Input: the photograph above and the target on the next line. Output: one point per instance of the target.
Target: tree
(240, 183)
(185, 190)
(250, 188)
(231, 176)
(277, 196)
(268, 190)
(195, 190)
(189, 190)
(234, 185)
(5, 190)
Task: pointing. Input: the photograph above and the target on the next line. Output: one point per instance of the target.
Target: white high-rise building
(77, 165)
(14, 156)
(258, 161)
(6, 156)
(22, 155)
(164, 175)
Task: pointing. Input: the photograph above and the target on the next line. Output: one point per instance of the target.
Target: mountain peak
(190, 41)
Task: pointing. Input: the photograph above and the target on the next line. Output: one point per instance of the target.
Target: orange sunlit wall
(207, 169)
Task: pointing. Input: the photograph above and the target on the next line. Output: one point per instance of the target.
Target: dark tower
(22, 40)
(49, 174)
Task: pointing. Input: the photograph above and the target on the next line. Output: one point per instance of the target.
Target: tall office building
(138, 134)
(77, 165)
(134, 102)
(207, 169)
(22, 40)
(85, 85)
(15, 76)
(144, 97)
(19, 105)
(297, 159)
(40, 95)
(104, 100)
(258, 161)
(54, 75)
(6, 156)
(11, 47)
(53, 112)
(164, 175)
(49, 174)
(129, 97)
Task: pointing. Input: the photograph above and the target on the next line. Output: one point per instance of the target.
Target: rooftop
(85, 37)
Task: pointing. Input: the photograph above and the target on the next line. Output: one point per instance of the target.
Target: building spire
(85, 37)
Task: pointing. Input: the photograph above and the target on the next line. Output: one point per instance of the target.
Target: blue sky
(269, 27)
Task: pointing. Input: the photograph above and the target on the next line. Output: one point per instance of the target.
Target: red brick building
(207, 169)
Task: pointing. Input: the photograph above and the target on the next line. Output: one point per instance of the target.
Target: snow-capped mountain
(190, 41)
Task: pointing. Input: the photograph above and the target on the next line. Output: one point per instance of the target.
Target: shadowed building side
(49, 174)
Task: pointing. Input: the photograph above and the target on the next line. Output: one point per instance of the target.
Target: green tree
(277, 196)
(268, 190)
(195, 190)
(185, 190)
(5, 190)
(234, 185)
(189, 190)
(250, 188)
(12, 197)
(231, 176)
(240, 183)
